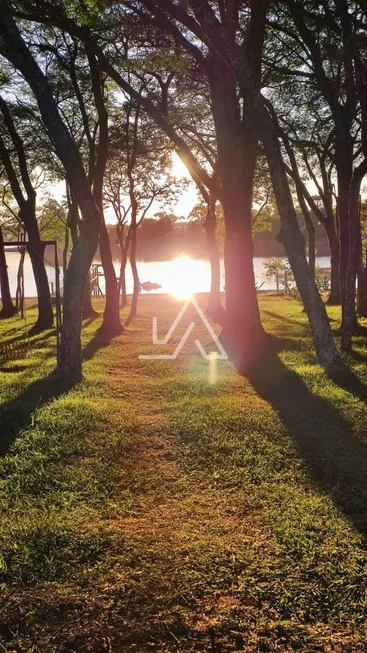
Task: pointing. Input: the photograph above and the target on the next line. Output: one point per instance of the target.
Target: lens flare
(184, 277)
(213, 367)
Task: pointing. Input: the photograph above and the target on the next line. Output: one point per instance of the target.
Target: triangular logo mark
(222, 355)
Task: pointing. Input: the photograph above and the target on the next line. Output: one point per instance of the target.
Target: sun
(184, 275)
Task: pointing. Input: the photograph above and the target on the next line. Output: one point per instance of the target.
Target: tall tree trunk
(120, 228)
(20, 279)
(8, 309)
(122, 280)
(311, 245)
(362, 285)
(74, 225)
(134, 269)
(111, 325)
(74, 290)
(294, 244)
(215, 308)
(335, 294)
(350, 252)
(87, 309)
(65, 251)
(242, 334)
(36, 251)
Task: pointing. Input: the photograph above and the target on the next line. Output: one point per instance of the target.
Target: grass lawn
(147, 509)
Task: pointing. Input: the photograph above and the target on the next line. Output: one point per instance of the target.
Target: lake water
(180, 277)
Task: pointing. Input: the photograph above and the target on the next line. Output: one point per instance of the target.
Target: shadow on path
(335, 456)
(15, 414)
(99, 341)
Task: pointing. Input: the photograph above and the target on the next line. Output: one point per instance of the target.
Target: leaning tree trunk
(8, 309)
(295, 247)
(215, 308)
(36, 251)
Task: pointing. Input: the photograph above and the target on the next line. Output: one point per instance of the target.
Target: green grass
(146, 509)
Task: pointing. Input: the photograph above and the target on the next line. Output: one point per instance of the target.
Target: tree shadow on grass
(35, 339)
(16, 414)
(301, 323)
(358, 356)
(89, 320)
(336, 457)
(289, 320)
(99, 341)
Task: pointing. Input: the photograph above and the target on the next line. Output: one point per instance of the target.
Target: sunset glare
(184, 277)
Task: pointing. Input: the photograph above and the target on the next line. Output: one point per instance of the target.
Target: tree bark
(335, 294)
(73, 223)
(350, 254)
(8, 309)
(122, 280)
(65, 251)
(215, 308)
(134, 269)
(242, 334)
(120, 228)
(20, 280)
(362, 286)
(88, 311)
(295, 247)
(311, 246)
(36, 251)
(111, 325)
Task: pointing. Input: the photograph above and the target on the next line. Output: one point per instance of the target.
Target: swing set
(21, 348)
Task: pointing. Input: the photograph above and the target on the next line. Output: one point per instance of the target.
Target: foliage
(52, 219)
(282, 272)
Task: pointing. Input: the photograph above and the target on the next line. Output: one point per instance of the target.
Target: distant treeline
(162, 240)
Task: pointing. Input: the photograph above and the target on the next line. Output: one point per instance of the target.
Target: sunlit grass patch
(168, 513)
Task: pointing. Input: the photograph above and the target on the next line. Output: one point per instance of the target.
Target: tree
(206, 214)
(362, 276)
(138, 177)
(226, 47)
(212, 46)
(14, 49)
(77, 74)
(328, 37)
(16, 168)
(294, 244)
